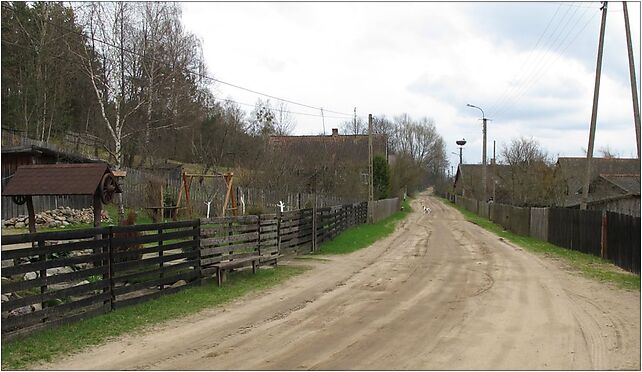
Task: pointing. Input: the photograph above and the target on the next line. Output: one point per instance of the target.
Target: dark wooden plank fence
(575, 229)
(623, 241)
(59, 277)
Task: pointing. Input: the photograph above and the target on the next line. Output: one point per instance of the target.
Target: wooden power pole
(634, 88)
(596, 94)
(370, 172)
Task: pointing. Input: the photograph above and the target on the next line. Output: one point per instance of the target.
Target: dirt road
(440, 293)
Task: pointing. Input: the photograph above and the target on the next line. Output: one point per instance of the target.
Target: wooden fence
(575, 229)
(382, 209)
(612, 236)
(53, 278)
(622, 234)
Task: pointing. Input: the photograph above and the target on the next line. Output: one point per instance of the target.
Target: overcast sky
(529, 66)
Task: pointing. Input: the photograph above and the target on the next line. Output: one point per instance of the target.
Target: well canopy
(57, 179)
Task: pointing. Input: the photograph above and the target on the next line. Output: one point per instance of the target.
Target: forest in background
(130, 74)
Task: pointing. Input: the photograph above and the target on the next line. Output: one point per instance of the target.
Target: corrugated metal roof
(56, 179)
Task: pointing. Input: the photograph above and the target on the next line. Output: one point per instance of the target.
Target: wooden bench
(235, 263)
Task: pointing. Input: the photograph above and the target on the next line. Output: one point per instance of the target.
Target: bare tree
(532, 181)
(107, 22)
(284, 123)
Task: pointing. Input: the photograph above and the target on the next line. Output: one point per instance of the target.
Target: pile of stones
(59, 217)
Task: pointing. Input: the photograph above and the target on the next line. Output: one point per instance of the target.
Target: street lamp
(484, 149)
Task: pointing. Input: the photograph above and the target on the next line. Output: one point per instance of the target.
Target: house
(468, 181)
(334, 163)
(343, 148)
(614, 183)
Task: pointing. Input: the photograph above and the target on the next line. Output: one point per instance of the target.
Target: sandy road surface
(440, 293)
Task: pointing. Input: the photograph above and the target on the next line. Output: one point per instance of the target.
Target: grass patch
(46, 345)
(361, 236)
(588, 265)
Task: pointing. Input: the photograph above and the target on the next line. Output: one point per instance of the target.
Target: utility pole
(596, 94)
(371, 172)
(484, 120)
(484, 175)
(355, 121)
(323, 120)
(634, 89)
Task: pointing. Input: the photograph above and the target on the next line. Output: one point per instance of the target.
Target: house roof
(39, 150)
(473, 173)
(354, 147)
(573, 169)
(57, 179)
(630, 183)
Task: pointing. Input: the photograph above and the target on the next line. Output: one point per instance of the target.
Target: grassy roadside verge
(361, 236)
(588, 265)
(44, 346)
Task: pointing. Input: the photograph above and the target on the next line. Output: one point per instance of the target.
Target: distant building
(614, 183)
(342, 148)
(468, 181)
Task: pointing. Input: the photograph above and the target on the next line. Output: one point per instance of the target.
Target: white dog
(426, 209)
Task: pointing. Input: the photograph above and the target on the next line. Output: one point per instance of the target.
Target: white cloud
(426, 59)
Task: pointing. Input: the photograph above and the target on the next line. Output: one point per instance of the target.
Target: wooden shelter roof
(57, 179)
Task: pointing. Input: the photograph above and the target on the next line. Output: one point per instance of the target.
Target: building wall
(629, 206)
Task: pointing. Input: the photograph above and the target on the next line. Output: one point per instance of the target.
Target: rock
(84, 266)
(59, 270)
(59, 286)
(19, 225)
(36, 307)
(5, 298)
(21, 311)
(178, 283)
(65, 223)
(30, 275)
(7, 263)
(81, 283)
(60, 218)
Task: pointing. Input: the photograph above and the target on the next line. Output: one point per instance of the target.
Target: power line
(536, 64)
(559, 55)
(543, 61)
(199, 74)
(508, 91)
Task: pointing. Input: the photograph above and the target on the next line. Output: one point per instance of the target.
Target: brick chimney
(335, 132)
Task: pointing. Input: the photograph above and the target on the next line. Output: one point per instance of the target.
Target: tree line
(132, 75)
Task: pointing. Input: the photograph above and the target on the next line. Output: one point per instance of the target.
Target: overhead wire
(544, 61)
(506, 92)
(536, 63)
(544, 67)
(194, 73)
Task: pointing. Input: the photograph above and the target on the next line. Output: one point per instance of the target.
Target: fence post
(603, 236)
(197, 239)
(278, 232)
(160, 256)
(110, 269)
(258, 231)
(314, 228)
